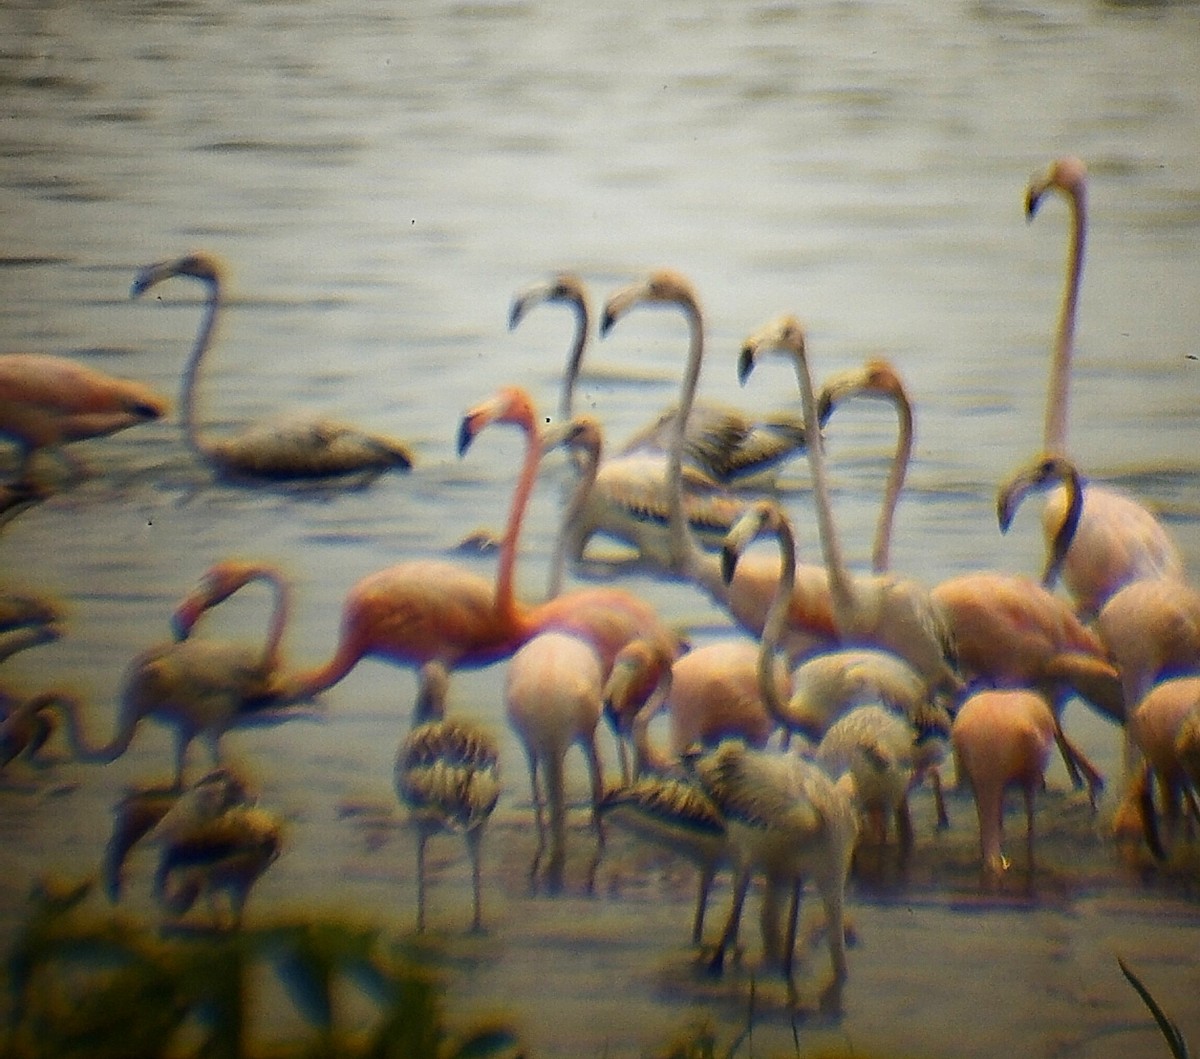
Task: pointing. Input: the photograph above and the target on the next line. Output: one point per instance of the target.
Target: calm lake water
(380, 179)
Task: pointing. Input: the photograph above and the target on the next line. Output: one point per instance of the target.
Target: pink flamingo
(1116, 540)
(433, 614)
(48, 401)
(1002, 738)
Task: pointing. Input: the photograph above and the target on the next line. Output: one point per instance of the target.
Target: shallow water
(381, 180)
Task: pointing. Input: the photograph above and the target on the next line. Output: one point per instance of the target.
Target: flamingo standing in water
(721, 442)
(199, 686)
(849, 702)
(48, 401)
(1116, 540)
(1160, 727)
(883, 610)
(1002, 738)
(437, 615)
(286, 449)
(448, 774)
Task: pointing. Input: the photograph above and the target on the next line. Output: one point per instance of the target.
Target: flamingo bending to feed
(785, 817)
(1117, 540)
(1012, 633)
(640, 676)
(48, 401)
(139, 813)
(1002, 738)
(883, 610)
(1162, 727)
(199, 686)
(721, 442)
(674, 814)
(447, 773)
(438, 615)
(286, 449)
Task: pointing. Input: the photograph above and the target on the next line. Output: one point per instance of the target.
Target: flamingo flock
(791, 742)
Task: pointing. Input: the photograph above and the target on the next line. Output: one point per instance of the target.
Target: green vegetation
(97, 986)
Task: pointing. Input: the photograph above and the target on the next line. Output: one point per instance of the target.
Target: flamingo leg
(535, 789)
(474, 839)
(597, 780)
(707, 874)
(729, 934)
(422, 838)
(789, 949)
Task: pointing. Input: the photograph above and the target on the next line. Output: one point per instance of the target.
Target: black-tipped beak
(466, 434)
(729, 561)
(606, 322)
(1033, 200)
(745, 364)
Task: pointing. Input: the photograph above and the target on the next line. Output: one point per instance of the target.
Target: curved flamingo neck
(573, 516)
(1058, 397)
(507, 609)
(841, 585)
(271, 655)
(881, 551)
(191, 429)
(583, 325)
(777, 618)
(683, 548)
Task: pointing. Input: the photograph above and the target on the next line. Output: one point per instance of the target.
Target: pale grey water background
(381, 178)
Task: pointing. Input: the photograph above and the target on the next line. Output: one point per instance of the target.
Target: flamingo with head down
(279, 450)
(201, 687)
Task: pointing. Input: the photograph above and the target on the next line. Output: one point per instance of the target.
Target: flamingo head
(219, 583)
(565, 287)
(510, 404)
(664, 287)
(760, 516)
(876, 378)
(199, 265)
(640, 668)
(1042, 473)
(784, 334)
(582, 434)
(1067, 175)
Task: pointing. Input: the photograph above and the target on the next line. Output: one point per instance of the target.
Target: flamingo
(851, 701)
(1117, 540)
(437, 615)
(200, 686)
(48, 401)
(1160, 727)
(722, 443)
(280, 450)
(140, 811)
(26, 725)
(878, 379)
(447, 773)
(552, 693)
(640, 675)
(677, 815)
(748, 596)
(883, 610)
(228, 853)
(785, 817)
(613, 497)
(1002, 737)
(1012, 633)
